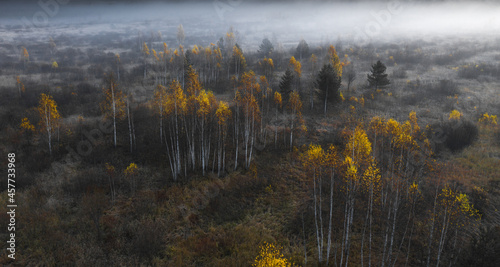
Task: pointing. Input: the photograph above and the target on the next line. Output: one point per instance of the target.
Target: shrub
(444, 88)
(147, 239)
(459, 134)
(399, 73)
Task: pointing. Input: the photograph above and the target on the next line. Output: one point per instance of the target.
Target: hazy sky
(315, 21)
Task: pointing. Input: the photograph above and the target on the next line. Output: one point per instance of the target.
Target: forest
(148, 148)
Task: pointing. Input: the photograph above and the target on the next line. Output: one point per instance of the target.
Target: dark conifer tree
(328, 84)
(378, 77)
(266, 48)
(302, 50)
(286, 85)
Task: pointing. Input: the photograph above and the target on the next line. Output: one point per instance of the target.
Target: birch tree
(114, 104)
(49, 117)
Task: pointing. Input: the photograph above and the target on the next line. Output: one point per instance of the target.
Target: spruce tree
(302, 50)
(328, 84)
(286, 85)
(378, 77)
(266, 48)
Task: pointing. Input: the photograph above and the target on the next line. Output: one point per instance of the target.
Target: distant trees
(265, 48)
(328, 84)
(25, 56)
(238, 59)
(278, 102)
(350, 76)
(297, 69)
(378, 77)
(295, 109)
(180, 34)
(20, 86)
(302, 50)
(267, 66)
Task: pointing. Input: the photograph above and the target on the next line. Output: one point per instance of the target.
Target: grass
(482, 158)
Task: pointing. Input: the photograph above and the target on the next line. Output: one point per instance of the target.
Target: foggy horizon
(317, 21)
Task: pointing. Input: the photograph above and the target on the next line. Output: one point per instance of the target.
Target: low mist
(315, 22)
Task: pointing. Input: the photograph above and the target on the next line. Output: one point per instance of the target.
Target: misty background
(317, 22)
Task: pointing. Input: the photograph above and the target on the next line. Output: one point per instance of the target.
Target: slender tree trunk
(432, 230)
(304, 237)
(395, 213)
(442, 239)
(129, 125)
(316, 218)
(330, 219)
(114, 113)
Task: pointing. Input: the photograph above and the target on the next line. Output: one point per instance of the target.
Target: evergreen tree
(302, 50)
(328, 84)
(378, 77)
(266, 48)
(286, 85)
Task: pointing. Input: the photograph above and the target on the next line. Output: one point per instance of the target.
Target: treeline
(197, 131)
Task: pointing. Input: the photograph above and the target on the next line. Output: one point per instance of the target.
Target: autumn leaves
(366, 192)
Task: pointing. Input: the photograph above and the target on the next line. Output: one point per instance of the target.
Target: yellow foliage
(377, 125)
(145, 49)
(203, 103)
(455, 115)
(296, 66)
(270, 256)
(393, 127)
(488, 119)
(457, 204)
(335, 61)
(25, 54)
(359, 146)
(314, 156)
(371, 178)
(176, 100)
(223, 113)
(55, 65)
(114, 102)
(238, 54)
(193, 85)
(268, 62)
(26, 125)
(295, 102)
(413, 121)
(195, 50)
(131, 169)
(277, 99)
(414, 190)
(155, 55)
(109, 168)
(351, 168)
(47, 109)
